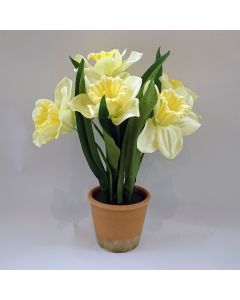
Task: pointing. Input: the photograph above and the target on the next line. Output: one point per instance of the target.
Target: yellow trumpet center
(46, 114)
(112, 88)
(170, 108)
(100, 55)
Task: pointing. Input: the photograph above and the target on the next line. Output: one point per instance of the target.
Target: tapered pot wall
(118, 228)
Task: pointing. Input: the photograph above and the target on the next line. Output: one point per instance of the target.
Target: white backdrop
(193, 220)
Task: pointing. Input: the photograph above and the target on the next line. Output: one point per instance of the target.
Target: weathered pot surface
(118, 227)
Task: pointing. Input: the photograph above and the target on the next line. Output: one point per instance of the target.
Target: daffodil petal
(188, 124)
(134, 83)
(188, 96)
(165, 81)
(45, 135)
(63, 91)
(132, 110)
(38, 105)
(124, 52)
(91, 76)
(145, 87)
(146, 142)
(79, 57)
(193, 94)
(83, 104)
(133, 57)
(108, 65)
(170, 141)
(67, 119)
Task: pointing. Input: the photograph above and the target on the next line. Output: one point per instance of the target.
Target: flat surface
(193, 220)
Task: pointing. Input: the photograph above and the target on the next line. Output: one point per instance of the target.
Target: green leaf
(130, 156)
(79, 76)
(153, 71)
(103, 117)
(122, 128)
(98, 130)
(92, 143)
(109, 171)
(112, 150)
(158, 54)
(159, 74)
(74, 62)
(86, 136)
(98, 172)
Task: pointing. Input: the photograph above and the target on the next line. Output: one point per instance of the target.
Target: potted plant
(133, 116)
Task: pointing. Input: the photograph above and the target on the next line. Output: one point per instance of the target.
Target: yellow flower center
(112, 88)
(46, 114)
(116, 92)
(100, 55)
(170, 108)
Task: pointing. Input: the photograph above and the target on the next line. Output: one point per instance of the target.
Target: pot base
(119, 246)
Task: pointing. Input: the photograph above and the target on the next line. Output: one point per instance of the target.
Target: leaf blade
(86, 136)
(135, 125)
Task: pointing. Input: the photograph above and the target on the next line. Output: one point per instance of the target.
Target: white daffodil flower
(111, 63)
(172, 119)
(52, 119)
(120, 95)
(179, 88)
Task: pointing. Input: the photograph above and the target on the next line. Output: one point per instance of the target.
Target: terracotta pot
(118, 227)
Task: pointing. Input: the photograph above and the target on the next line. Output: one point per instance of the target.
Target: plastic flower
(52, 119)
(109, 63)
(120, 95)
(172, 119)
(179, 88)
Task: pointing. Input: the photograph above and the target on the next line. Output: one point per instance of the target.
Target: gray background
(193, 219)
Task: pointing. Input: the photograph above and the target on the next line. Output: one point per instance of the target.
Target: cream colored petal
(38, 105)
(133, 57)
(170, 141)
(189, 124)
(165, 81)
(183, 92)
(132, 110)
(68, 121)
(63, 94)
(108, 65)
(134, 84)
(195, 116)
(193, 94)
(91, 76)
(63, 91)
(83, 104)
(145, 87)
(79, 57)
(123, 75)
(46, 135)
(146, 142)
(124, 52)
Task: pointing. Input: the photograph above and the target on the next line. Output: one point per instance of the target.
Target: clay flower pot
(118, 227)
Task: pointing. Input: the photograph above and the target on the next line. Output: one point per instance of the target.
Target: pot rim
(117, 207)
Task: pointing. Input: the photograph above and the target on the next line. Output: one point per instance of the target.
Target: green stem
(98, 172)
(109, 172)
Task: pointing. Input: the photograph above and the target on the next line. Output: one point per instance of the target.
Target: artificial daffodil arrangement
(132, 115)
